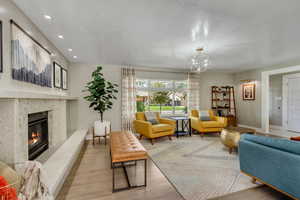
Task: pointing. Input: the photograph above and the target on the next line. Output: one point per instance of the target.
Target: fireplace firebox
(38, 140)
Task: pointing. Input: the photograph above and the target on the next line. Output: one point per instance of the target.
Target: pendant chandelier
(200, 61)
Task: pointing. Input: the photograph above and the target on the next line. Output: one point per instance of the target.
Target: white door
(293, 103)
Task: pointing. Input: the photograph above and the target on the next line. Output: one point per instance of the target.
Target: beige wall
(9, 11)
(208, 79)
(248, 112)
(81, 115)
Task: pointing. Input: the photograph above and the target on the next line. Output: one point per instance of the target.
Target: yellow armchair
(216, 124)
(166, 127)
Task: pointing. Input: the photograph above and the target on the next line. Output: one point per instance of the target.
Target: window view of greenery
(164, 96)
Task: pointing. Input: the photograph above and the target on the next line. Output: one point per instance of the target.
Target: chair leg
(201, 134)
(230, 150)
(253, 180)
(141, 136)
(170, 137)
(152, 141)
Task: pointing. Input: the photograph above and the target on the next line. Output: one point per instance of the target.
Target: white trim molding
(265, 93)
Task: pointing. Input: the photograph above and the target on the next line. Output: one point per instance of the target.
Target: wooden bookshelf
(223, 103)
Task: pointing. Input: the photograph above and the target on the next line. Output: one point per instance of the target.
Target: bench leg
(126, 176)
(113, 178)
(145, 172)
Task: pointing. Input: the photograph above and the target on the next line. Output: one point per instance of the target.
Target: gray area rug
(261, 193)
(199, 168)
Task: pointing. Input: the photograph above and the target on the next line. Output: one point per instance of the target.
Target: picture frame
(1, 47)
(64, 79)
(57, 83)
(249, 91)
(31, 61)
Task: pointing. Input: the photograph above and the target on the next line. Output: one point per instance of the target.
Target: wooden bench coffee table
(125, 149)
(230, 136)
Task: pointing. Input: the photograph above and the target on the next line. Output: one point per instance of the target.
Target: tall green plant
(102, 92)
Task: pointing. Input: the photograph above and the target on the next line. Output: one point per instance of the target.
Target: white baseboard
(276, 127)
(252, 127)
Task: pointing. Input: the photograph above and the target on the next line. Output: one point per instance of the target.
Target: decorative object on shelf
(101, 92)
(31, 62)
(223, 103)
(199, 61)
(1, 48)
(249, 91)
(64, 78)
(57, 75)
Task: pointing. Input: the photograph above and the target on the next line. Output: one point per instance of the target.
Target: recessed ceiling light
(48, 17)
(75, 57)
(60, 37)
(70, 50)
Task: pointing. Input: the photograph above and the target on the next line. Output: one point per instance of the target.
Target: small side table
(186, 128)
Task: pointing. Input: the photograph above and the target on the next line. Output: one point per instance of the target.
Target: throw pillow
(204, 116)
(151, 117)
(295, 138)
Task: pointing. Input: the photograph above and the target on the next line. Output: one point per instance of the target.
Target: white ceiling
(237, 34)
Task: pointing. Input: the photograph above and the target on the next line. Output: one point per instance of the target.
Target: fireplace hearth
(38, 140)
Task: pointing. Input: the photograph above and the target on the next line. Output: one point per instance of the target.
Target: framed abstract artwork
(1, 48)
(249, 91)
(31, 62)
(57, 75)
(64, 79)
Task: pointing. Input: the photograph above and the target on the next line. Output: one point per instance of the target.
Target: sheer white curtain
(128, 97)
(193, 92)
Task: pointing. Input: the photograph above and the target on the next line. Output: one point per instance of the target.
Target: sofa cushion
(151, 117)
(161, 127)
(212, 124)
(276, 143)
(204, 116)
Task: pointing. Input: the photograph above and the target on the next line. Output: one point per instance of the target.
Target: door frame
(265, 93)
(285, 95)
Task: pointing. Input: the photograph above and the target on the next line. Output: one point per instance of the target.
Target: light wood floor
(91, 179)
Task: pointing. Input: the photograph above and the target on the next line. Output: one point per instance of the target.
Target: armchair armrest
(143, 127)
(195, 121)
(223, 120)
(167, 121)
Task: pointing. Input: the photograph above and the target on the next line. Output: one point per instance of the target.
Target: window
(165, 96)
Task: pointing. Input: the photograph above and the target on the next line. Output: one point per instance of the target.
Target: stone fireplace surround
(14, 125)
(14, 110)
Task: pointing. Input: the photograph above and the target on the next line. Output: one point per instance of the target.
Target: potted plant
(102, 94)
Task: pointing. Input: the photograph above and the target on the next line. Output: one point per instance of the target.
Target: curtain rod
(163, 71)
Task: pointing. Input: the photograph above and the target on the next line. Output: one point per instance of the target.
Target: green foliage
(140, 107)
(161, 97)
(102, 92)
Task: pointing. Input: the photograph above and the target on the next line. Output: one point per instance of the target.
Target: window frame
(173, 90)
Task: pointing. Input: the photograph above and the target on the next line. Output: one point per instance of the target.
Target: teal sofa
(273, 161)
